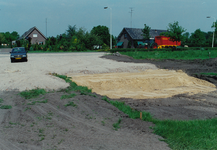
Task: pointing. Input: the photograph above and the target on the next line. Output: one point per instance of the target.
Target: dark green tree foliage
(102, 32)
(146, 32)
(198, 38)
(186, 39)
(2, 38)
(8, 37)
(174, 31)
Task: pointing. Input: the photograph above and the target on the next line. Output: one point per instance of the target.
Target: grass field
(185, 55)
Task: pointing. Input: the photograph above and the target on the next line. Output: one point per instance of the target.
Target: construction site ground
(47, 123)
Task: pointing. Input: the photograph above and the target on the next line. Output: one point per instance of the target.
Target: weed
(11, 123)
(60, 141)
(50, 114)
(73, 86)
(54, 136)
(71, 104)
(1, 100)
(103, 123)
(41, 130)
(66, 130)
(34, 102)
(117, 125)
(42, 138)
(6, 107)
(27, 108)
(68, 96)
(32, 93)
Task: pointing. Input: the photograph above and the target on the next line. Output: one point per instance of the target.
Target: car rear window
(18, 50)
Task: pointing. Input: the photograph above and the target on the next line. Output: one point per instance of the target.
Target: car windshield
(18, 50)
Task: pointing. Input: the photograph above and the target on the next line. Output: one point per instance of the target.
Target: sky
(21, 15)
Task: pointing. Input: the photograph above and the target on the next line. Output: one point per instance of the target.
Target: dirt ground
(31, 124)
(89, 125)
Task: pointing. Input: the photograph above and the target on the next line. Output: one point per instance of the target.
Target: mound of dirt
(149, 84)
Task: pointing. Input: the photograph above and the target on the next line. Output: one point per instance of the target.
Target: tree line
(74, 39)
(78, 39)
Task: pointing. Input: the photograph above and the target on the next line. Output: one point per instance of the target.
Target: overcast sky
(21, 15)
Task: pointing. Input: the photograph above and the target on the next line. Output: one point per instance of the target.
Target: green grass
(1, 101)
(70, 104)
(72, 85)
(5, 107)
(184, 55)
(195, 134)
(117, 125)
(68, 96)
(32, 93)
(210, 73)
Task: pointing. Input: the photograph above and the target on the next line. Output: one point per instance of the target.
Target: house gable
(35, 35)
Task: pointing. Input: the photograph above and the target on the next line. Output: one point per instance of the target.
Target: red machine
(165, 42)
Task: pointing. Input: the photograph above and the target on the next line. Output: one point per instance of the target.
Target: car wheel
(12, 61)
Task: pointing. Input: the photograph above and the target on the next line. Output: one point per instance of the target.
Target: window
(35, 35)
(125, 35)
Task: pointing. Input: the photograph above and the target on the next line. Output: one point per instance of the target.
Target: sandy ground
(149, 84)
(35, 72)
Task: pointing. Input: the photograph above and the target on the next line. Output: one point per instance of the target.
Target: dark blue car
(18, 54)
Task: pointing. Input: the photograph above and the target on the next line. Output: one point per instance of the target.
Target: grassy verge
(188, 135)
(185, 55)
(210, 74)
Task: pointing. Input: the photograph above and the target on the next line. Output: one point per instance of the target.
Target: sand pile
(149, 84)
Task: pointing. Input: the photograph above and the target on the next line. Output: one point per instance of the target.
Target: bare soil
(88, 125)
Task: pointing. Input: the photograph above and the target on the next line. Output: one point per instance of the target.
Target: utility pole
(131, 12)
(46, 27)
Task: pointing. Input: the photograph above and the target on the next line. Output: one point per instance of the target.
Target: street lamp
(214, 29)
(110, 25)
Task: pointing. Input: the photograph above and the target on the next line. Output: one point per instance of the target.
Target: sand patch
(149, 84)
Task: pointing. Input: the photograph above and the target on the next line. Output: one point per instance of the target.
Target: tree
(146, 32)
(2, 38)
(186, 38)
(102, 32)
(198, 38)
(71, 31)
(174, 31)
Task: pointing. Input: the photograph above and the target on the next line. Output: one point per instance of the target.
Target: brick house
(35, 35)
(134, 36)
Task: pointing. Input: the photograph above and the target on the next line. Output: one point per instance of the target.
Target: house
(131, 37)
(34, 35)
